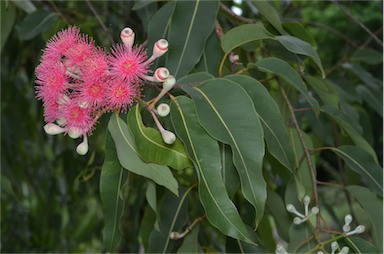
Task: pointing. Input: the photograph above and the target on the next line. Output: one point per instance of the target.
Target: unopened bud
(168, 137)
(161, 74)
(82, 148)
(53, 129)
(63, 99)
(315, 210)
(163, 110)
(128, 37)
(358, 230)
(344, 250)
(297, 221)
(160, 48)
(334, 246)
(74, 133)
(169, 83)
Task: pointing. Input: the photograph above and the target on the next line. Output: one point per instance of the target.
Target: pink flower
(80, 50)
(58, 45)
(92, 91)
(128, 63)
(120, 94)
(76, 117)
(51, 80)
(96, 65)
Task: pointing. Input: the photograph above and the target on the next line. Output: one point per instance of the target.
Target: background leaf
(191, 24)
(227, 113)
(191, 242)
(204, 152)
(129, 157)
(270, 14)
(112, 179)
(8, 16)
(151, 146)
(35, 23)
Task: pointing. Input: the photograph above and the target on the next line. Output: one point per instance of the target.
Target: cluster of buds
(302, 217)
(347, 228)
(78, 82)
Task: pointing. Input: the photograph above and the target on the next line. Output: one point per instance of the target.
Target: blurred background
(49, 194)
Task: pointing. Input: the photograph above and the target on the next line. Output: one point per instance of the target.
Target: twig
(359, 23)
(100, 21)
(232, 14)
(305, 149)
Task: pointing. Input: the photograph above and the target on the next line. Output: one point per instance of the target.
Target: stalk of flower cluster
(168, 136)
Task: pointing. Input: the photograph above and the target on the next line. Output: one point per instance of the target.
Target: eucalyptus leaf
(204, 152)
(360, 246)
(191, 242)
(297, 29)
(270, 13)
(373, 206)
(35, 23)
(275, 131)
(374, 101)
(228, 170)
(327, 93)
(150, 144)
(227, 113)
(364, 164)
(112, 178)
(282, 69)
(210, 59)
(276, 208)
(191, 25)
(297, 46)
(130, 159)
(8, 16)
(367, 55)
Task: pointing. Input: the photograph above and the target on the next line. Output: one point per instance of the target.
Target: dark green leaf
(296, 29)
(373, 206)
(230, 177)
(129, 156)
(276, 133)
(243, 34)
(374, 101)
(287, 73)
(364, 75)
(8, 15)
(276, 208)
(191, 242)
(195, 78)
(297, 46)
(150, 194)
(227, 113)
(139, 4)
(210, 59)
(360, 246)
(325, 90)
(362, 163)
(36, 23)
(367, 55)
(146, 13)
(191, 24)
(25, 5)
(151, 146)
(270, 14)
(204, 151)
(112, 178)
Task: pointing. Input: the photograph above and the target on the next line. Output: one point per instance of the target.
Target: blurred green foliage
(50, 195)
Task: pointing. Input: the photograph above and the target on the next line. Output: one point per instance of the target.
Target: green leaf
(195, 78)
(347, 126)
(191, 24)
(228, 170)
(375, 102)
(172, 215)
(210, 59)
(297, 29)
(25, 5)
(327, 93)
(367, 55)
(204, 152)
(270, 14)
(151, 146)
(191, 242)
(373, 207)
(150, 194)
(297, 46)
(363, 75)
(129, 156)
(287, 73)
(275, 131)
(360, 246)
(227, 113)
(243, 34)
(139, 4)
(8, 16)
(146, 13)
(112, 178)
(362, 163)
(276, 208)
(36, 23)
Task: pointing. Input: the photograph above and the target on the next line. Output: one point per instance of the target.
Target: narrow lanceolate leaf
(191, 24)
(243, 34)
(297, 46)
(112, 178)
(204, 151)
(228, 170)
(348, 126)
(275, 131)
(373, 206)
(151, 146)
(130, 159)
(171, 216)
(287, 73)
(35, 23)
(270, 14)
(362, 163)
(191, 242)
(212, 54)
(227, 113)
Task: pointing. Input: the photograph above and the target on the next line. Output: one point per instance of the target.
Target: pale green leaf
(375, 101)
(367, 55)
(227, 113)
(270, 14)
(297, 29)
(327, 93)
(191, 242)
(129, 156)
(191, 24)
(204, 151)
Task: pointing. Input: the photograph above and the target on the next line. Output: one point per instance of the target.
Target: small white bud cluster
(302, 217)
(280, 249)
(347, 228)
(335, 247)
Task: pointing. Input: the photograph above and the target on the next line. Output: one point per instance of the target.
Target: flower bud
(334, 246)
(347, 220)
(53, 129)
(169, 83)
(344, 250)
(358, 230)
(168, 137)
(82, 148)
(315, 210)
(161, 74)
(128, 37)
(160, 48)
(163, 110)
(297, 220)
(74, 133)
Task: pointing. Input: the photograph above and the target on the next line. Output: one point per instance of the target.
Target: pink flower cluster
(78, 81)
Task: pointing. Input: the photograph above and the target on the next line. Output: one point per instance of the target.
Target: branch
(359, 23)
(100, 21)
(232, 14)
